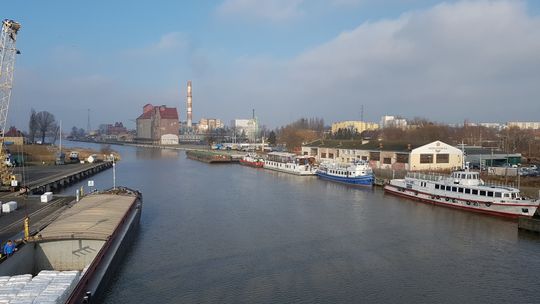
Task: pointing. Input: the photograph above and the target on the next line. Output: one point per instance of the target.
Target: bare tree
(32, 126)
(46, 123)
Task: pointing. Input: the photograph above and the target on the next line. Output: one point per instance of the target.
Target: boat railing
(435, 177)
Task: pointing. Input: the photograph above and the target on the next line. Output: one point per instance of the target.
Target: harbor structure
(189, 105)
(157, 125)
(354, 126)
(388, 155)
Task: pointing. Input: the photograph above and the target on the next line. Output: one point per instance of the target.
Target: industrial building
(354, 125)
(388, 155)
(490, 157)
(157, 125)
(249, 127)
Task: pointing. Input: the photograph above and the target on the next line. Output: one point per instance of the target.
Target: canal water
(233, 234)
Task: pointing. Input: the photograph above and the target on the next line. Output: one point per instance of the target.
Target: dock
(529, 224)
(209, 156)
(41, 179)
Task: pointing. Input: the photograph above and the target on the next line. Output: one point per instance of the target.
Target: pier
(52, 178)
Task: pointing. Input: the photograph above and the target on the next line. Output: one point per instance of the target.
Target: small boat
(464, 190)
(252, 160)
(357, 173)
(291, 163)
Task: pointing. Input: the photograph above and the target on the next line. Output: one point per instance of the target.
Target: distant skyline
(443, 60)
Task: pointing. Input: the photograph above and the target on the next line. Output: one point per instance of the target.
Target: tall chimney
(189, 105)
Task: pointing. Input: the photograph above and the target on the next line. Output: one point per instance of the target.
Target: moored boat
(464, 190)
(252, 160)
(73, 257)
(357, 173)
(290, 163)
(208, 156)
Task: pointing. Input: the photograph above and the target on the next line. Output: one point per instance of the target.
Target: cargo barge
(78, 251)
(208, 156)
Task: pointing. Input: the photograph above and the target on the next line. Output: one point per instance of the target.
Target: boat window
(482, 193)
(507, 195)
(467, 191)
(490, 194)
(498, 194)
(436, 186)
(460, 190)
(475, 192)
(514, 195)
(448, 188)
(454, 189)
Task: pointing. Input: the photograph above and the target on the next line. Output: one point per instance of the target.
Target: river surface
(233, 234)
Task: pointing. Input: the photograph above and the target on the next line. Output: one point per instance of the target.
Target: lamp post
(114, 171)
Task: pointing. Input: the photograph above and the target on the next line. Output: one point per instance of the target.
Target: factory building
(388, 155)
(354, 125)
(156, 124)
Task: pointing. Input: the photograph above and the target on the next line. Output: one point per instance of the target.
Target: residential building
(112, 129)
(388, 121)
(354, 125)
(524, 125)
(155, 122)
(209, 124)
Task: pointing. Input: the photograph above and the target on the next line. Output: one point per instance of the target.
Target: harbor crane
(8, 51)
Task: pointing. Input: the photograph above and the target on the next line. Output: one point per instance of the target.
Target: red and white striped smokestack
(189, 104)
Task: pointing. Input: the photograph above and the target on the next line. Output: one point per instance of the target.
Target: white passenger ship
(290, 163)
(357, 173)
(464, 190)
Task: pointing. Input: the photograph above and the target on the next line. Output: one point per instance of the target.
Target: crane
(8, 37)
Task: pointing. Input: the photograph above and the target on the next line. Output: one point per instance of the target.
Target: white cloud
(270, 10)
(169, 42)
(471, 59)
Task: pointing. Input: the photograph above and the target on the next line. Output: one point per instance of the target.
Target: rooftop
(373, 145)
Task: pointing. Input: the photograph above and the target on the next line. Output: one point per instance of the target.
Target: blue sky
(448, 61)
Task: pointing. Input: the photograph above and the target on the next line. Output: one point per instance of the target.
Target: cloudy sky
(447, 61)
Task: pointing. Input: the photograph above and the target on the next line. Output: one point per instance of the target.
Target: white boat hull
(513, 210)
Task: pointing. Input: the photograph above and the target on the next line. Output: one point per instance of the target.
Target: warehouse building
(157, 125)
(388, 155)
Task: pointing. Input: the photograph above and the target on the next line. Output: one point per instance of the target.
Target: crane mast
(8, 37)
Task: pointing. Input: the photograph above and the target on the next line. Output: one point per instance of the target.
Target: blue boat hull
(366, 180)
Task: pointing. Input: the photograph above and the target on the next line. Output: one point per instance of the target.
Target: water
(232, 234)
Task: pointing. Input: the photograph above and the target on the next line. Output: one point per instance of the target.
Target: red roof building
(156, 121)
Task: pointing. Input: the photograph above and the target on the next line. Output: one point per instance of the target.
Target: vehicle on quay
(303, 165)
(357, 173)
(464, 190)
(73, 257)
(252, 160)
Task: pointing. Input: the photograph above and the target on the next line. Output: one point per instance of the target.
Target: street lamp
(114, 171)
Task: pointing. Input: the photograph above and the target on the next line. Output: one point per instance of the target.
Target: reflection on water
(234, 234)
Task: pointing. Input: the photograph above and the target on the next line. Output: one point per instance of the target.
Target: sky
(443, 60)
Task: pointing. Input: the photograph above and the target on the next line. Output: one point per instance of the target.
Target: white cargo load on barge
(90, 236)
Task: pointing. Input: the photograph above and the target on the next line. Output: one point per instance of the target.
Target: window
(475, 192)
(448, 188)
(454, 189)
(402, 158)
(460, 190)
(482, 193)
(467, 191)
(443, 158)
(323, 155)
(387, 160)
(436, 186)
(374, 155)
(468, 176)
(305, 153)
(490, 194)
(330, 155)
(507, 195)
(364, 157)
(498, 194)
(426, 158)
